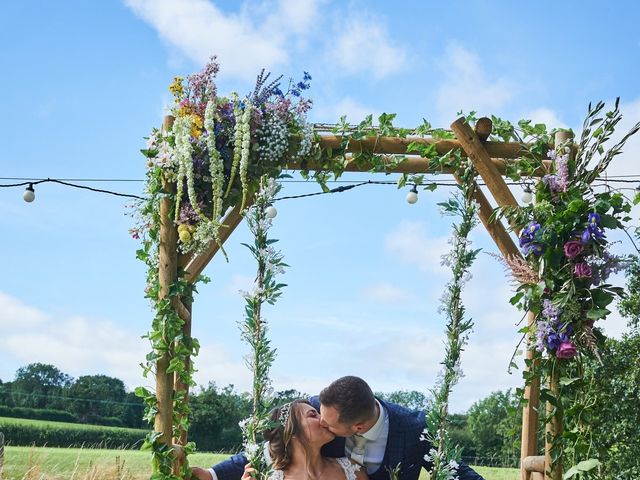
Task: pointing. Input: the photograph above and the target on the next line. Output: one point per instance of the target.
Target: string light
(271, 212)
(527, 195)
(412, 196)
(29, 194)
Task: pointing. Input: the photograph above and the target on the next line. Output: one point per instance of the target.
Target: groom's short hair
(351, 397)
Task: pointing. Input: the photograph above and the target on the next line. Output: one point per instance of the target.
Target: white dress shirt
(376, 442)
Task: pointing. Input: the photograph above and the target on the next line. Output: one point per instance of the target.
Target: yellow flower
(184, 234)
(197, 125)
(176, 88)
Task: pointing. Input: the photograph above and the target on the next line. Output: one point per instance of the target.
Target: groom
(380, 436)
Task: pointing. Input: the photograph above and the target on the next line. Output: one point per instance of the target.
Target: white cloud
(385, 292)
(80, 345)
(546, 116)
(466, 86)
(364, 46)
(410, 244)
(257, 36)
(331, 110)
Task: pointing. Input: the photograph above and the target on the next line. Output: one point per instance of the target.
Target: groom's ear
(358, 428)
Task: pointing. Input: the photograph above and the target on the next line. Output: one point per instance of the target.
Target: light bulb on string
(527, 195)
(412, 196)
(270, 212)
(29, 194)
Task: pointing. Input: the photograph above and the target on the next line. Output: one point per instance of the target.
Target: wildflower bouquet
(218, 147)
(563, 237)
(564, 272)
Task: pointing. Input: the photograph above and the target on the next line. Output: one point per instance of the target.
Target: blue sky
(84, 82)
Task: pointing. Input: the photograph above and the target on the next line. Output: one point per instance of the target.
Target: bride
(294, 446)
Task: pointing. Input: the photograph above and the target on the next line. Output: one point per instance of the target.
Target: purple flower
(566, 350)
(582, 270)
(573, 248)
(586, 236)
(593, 219)
(549, 310)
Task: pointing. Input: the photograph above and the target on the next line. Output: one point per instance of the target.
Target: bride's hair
(288, 420)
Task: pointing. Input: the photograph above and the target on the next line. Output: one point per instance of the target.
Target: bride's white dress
(349, 468)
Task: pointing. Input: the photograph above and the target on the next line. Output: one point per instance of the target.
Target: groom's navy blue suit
(404, 448)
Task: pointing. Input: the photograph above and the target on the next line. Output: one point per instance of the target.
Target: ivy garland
(254, 328)
(444, 455)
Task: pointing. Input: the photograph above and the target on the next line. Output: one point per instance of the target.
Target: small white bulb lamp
(29, 194)
(412, 196)
(527, 195)
(271, 212)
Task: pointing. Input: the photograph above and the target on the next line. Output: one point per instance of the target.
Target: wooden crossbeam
(196, 265)
(411, 164)
(397, 145)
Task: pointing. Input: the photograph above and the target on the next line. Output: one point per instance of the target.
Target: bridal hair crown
(285, 411)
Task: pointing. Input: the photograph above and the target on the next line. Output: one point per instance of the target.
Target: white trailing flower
(216, 164)
(183, 151)
(246, 150)
(237, 140)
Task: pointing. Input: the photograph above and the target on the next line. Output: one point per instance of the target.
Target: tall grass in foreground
(40, 463)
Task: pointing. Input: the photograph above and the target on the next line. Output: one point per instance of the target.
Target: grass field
(31, 463)
(50, 423)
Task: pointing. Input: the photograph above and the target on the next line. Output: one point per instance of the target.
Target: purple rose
(582, 270)
(572, 249)
(566, 350)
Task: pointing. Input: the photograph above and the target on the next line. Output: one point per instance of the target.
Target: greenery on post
(254, 327)
(443, 455)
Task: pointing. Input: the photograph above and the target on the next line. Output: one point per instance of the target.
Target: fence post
(1, 453)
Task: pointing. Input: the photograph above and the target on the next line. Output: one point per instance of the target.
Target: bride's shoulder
(276, 475)
(350, 468)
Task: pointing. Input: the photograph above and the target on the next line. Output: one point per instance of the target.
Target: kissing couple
(345, 433)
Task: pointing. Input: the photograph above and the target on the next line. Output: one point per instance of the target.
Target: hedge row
(37, 414)
(54, 436)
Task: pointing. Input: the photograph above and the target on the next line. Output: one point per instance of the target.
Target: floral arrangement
(218, 147)
(565, 267)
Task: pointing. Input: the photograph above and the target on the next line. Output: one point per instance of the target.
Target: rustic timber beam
(411, 164)
(197, 264)
(398, 145)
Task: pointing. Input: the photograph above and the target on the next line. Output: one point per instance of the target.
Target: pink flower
(566, 350)
(573, 248)
(582, 270)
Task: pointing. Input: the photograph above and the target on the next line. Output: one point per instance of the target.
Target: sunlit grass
(39, 463)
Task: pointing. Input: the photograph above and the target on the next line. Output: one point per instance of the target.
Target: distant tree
(95, 396)
(215, 416)
(285, 396)
(461, 436)
(37, 385)
(630, 305)
(494, 423)
(411, 399)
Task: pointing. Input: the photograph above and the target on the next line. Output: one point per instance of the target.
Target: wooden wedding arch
(489, 158)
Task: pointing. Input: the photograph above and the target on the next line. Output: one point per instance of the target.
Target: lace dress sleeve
(276, 475)
(349, 468)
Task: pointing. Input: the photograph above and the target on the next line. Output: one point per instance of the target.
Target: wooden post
(553, 428)
(184, 311)
(167, 275)
(529, 436)
(1, 453)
